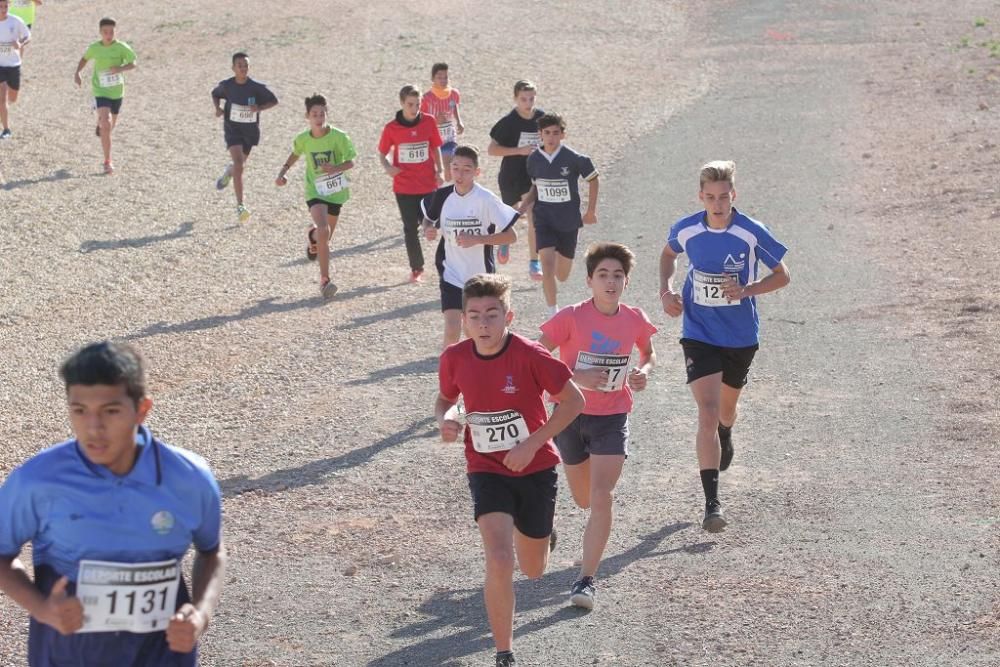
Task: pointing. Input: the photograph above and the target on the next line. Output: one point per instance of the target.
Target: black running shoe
(583, 593)
(552, 540)
(713, 522)
(506, 659)
(726, 440)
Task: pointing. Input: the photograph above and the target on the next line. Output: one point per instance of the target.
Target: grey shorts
(593, 434)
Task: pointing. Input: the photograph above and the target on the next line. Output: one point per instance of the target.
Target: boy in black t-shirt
(514, 138)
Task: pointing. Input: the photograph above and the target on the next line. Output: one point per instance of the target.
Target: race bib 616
(414, 153)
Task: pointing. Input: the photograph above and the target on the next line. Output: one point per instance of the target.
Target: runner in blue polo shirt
(720, 326)
(110, 515)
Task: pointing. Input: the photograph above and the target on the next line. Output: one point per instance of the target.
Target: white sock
(553, 310)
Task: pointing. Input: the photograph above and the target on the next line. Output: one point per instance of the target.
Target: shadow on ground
(60, 175)
(117, 244)
(462, 610)
(317, 472)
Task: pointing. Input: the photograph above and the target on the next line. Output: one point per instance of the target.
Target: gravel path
(864, 521)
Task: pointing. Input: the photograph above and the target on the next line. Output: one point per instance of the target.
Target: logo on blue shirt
(162, 522)
(732, 265)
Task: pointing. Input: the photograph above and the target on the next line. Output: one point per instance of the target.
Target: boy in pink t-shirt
(595, 338)
(441, 104)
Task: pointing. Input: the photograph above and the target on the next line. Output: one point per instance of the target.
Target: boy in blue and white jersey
(472, 220)
(555, 171)
(110, 515)
(721, 325)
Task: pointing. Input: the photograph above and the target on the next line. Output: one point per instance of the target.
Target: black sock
(725, 431)
(504, 654)
(710, 483)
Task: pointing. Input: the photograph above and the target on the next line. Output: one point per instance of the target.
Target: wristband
(665, 292)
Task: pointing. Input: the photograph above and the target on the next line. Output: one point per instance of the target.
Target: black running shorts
(703, 359)
(530, 499)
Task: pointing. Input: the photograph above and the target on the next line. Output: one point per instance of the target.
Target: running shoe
(713, 522)
(583, 593)
(312, 251)
(222, 181)
(6, 134)
(535, 269)
(109, 168)
(243, 213)
(327, 288)
(506, 659)
(726, 440)
(417, 276)
(503, 253)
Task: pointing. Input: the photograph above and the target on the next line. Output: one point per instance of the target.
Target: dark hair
(550, 119)
(409, 90)
(598, 252)
(106, 363)
(238, 55)
(107, 20)
(465, 150)
(315, 100)
(438, 67)
(485, 285)
(523, 85)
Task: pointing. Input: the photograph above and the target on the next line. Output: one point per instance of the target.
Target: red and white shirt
(514, 379)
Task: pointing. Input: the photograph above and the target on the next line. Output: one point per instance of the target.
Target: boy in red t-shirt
(415, 144)
(441, 102)
(596, 337)
(511, 460)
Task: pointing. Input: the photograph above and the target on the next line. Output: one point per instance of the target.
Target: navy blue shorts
(563, 240)
(246, 137)
(107, 102)
(449, 149)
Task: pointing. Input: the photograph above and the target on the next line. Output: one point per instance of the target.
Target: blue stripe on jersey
(735, 250)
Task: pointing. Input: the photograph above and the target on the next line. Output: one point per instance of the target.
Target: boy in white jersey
(14, 34)
(595, 338)
(472, 220)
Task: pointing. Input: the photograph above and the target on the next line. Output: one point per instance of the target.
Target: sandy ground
(348, 526)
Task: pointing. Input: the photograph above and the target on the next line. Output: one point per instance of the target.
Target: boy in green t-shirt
(329, 154)
(111, 60)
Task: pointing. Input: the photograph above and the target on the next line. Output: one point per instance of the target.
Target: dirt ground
(864, 508)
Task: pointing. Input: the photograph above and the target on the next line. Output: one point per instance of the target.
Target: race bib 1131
(127, 597)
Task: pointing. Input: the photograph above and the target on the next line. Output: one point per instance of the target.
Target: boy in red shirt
(596, 338)
(510, 458)
(413, 140)
(441, 102)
